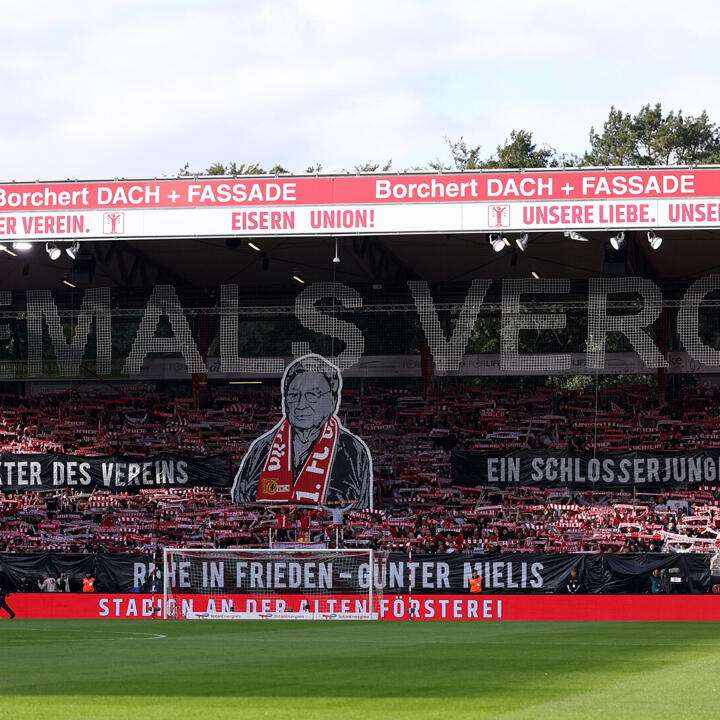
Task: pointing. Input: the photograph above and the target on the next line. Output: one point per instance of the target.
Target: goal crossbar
(267, 583)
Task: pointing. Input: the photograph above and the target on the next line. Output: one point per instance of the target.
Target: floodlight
(617, 240)
(74, 250)
(654, 240)
(522, 241)
(573, 235)
(496, 243)
(53, 251)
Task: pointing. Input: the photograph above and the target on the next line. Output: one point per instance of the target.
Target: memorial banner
(50, 472)
(560, 468)
(58, 342)
(501, 573)
(309, 457)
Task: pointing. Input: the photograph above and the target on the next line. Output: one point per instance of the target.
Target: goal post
(292, 584)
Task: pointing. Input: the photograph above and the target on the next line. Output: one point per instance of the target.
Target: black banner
(113, 573)
(117, 474)
(559, 468)
(436, 574)
(527, 573)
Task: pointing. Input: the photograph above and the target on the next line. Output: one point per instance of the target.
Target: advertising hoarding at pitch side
(425, 607)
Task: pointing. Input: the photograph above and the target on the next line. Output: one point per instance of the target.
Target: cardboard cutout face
(308, 457)
(309, 401)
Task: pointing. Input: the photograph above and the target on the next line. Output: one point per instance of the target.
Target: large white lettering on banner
(631, 326)
(448, 354)
(689, 321)
(311, 318)
(95, 305)
(164, 302)
(327, 309)
(516, 318)
(6, 369)
(229, 329)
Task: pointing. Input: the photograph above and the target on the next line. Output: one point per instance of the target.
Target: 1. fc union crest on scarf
(308, 457)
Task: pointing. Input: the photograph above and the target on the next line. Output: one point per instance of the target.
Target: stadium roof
(370, 259)
(387, 260)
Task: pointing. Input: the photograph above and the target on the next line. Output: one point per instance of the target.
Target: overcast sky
(136, 89)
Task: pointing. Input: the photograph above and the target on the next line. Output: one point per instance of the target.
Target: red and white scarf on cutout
(276, 479)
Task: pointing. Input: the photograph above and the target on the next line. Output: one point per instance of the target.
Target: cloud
(137, 89)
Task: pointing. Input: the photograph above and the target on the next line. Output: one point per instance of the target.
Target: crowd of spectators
(410, 437)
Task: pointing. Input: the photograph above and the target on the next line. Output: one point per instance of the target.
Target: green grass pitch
(343, 670)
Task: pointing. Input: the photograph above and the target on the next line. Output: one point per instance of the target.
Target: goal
(273, 584)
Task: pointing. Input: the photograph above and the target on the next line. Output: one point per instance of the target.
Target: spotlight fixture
(496, 243)
(336, 259)
(5, 248)
(617, 240)
(297, 278)
(74, 250)
(69, 284)
(253, 246)
(535, 275)
(654, 240)
(53, 251)
(522, 242)
(573, 235)
(22, 246)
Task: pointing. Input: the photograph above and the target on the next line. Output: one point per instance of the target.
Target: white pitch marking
(146, 636)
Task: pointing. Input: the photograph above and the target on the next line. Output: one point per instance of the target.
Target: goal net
(273, 584)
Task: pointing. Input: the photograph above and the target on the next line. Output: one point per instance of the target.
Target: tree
(519, 151)
(370, 167)
(653, 138)
(616, 146)
(235, 169)
(218, 168)
(650, 137)
(463, 157)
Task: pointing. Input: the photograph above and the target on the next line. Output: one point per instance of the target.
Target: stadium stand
(411, 437)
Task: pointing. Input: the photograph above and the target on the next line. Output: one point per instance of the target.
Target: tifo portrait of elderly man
(308, 457)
